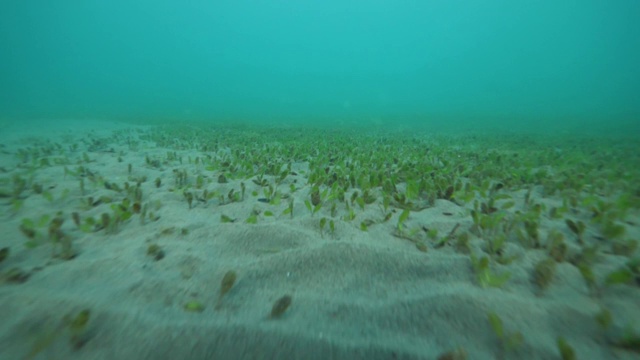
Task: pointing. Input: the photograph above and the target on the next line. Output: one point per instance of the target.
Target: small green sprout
(403, 217)
(613, 231)
(323, 223)
(557, 248)
(604, 318)
(350, 215)
(48, 196)
(226, 219)
(508, 341)
(495, 245)
(566, 351)
(620, 276)
(194, 306)
(630, 340)
(486, 277)
(462, 243)
(624, 247)
(589, 277)
(76, 326)
(531, 228)
(252, 219)
(313, 208)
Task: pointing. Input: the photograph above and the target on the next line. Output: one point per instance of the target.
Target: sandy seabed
(355, 293)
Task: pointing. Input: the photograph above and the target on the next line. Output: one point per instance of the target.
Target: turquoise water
(516, 64)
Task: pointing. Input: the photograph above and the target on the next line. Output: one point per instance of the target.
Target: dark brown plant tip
(155, 252)
(28, 232)
(37, 188)
(76, 218)
(4, 253)
(421, 247)
(487, 209)
(14, 276)
(315, 197)
(105, 220)
(280, 306)
(457, 354)
(136, 207)
(448, 193)
(543, 274)
(452, 233)
(572, 226)
(558, 252)
(228, 281)
(624, 247)
(55, 233)
(78, 328)
(577, 228)
(189, 196)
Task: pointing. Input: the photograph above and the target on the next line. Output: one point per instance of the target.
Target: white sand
(356, 294)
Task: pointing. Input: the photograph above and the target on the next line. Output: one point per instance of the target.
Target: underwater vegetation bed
(356, 234)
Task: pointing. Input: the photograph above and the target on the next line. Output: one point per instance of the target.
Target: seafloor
(198, 241)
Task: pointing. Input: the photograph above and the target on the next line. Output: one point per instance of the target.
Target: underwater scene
(329, 179)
